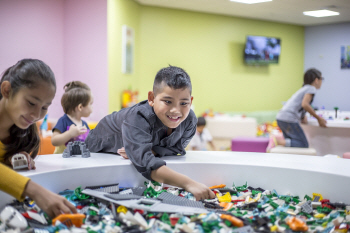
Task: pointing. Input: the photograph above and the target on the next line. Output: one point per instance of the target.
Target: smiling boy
(161, 126)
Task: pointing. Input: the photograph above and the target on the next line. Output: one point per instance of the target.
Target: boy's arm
(194, 143)
(137, 141)
(168, 176)
(306, 105)
(210, 139)
(304, 120)
(212, 145)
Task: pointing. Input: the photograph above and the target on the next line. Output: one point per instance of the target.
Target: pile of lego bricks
(154, 208)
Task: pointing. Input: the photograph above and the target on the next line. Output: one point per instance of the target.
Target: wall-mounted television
(261, 50)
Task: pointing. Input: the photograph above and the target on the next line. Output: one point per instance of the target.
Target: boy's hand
(322, 122)
(122, 152)
(304, 120)
(76, 130)
(200, 191)
(31, 163)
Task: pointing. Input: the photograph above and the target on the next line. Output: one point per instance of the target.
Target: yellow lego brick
(224, 198)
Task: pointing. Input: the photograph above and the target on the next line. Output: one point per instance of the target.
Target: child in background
(202, 137)
(294, 111)
(77, 103)
(161, 126)
(27, 89)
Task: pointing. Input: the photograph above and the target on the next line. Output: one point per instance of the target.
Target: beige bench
(224, 128)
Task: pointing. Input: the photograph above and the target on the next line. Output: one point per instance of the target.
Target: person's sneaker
(272, 144)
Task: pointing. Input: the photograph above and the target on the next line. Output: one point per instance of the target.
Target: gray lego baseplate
(169, 198)
(108, 188)
(118, 197)
(246, 229)
(153, 205)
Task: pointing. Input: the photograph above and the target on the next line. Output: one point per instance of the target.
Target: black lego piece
(36, 224)
(135, 190)
(256, 189)
(211, 205)
(338, 205)
(224, 190)
(250, 206)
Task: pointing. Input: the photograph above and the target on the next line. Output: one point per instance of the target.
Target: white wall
(34, 29)
(322, 51)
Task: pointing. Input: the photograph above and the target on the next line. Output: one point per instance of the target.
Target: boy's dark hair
(172, 76)
(310, 76)
(26, 73)
(75, 93)
(201, 121)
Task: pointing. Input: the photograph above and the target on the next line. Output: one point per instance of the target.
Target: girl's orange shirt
(10, 181)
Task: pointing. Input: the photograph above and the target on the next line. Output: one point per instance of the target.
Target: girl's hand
(31, 163)
(77, 130)
(122, 152)
(49, 202)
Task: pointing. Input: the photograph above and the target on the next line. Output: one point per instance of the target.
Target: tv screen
(260, 50)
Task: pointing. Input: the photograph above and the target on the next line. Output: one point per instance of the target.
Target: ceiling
(284, 11)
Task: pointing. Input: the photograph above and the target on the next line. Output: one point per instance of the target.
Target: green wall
(121, 12)
(210, 48)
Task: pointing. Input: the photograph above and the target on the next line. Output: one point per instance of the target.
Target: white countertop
(336, 123)
(55, 162)
(288, 174)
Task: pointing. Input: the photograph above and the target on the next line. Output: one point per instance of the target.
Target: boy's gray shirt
(139, 131)
(292, 111)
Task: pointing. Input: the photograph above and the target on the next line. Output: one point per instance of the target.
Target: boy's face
(87, 110)
(318, 83)
(171, 106)
(200, 128)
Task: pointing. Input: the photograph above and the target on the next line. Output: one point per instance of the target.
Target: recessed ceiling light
(250, 1)
(320, 13)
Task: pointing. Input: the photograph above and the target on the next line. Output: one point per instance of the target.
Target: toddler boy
(202, 137)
